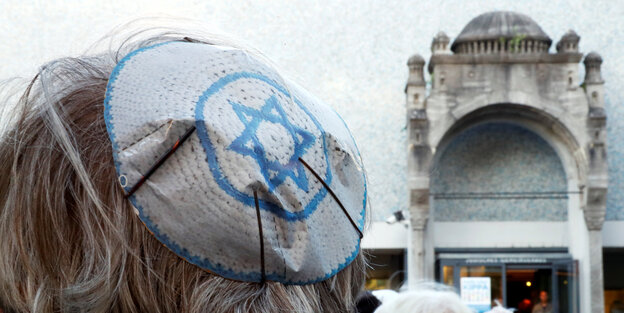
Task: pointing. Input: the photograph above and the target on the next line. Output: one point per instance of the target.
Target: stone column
(419, 156)
(597, 177)
(419, 214)
(597, 279)
(594, 218)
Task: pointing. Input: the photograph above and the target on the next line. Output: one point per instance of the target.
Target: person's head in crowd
(426, 298)
(176, 173)
(366, 302)
(498, 308)
(543, 296)
(385, 295)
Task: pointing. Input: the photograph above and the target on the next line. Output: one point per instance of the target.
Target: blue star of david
(248, 144)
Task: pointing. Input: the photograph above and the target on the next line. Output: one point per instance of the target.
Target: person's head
(366, 302)
(72, 240)
(543, 296)
(425, 299)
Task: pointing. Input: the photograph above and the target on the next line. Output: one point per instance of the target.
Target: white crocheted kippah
(233, 168)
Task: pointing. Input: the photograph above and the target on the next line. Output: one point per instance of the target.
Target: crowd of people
(429, 298)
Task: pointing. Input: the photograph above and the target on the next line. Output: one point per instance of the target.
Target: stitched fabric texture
(252, 129)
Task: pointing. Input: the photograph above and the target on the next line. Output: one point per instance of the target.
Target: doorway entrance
(525, 283)
(518, 281)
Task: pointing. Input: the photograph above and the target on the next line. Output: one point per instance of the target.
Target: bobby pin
(161, 161)
(263, 277)
(331, 192)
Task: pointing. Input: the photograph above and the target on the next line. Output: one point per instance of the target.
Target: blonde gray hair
(71, 242)
(426, 298)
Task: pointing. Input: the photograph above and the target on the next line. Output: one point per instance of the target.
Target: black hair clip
(331, 192)
(161, 161)
(263, 277)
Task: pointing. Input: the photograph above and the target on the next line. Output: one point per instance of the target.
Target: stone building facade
(507, 171)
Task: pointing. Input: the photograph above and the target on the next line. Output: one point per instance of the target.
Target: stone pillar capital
(595, 208)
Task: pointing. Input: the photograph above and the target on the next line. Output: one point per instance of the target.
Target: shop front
(516, 279)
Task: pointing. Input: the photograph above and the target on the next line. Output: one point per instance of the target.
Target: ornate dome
(569, 42)
(416, 59)
(593, 58)
(501, 27)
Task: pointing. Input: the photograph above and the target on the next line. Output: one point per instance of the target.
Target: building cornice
(506, 58)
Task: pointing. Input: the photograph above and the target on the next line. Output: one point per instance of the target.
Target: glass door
(528, 286)
(565, 285)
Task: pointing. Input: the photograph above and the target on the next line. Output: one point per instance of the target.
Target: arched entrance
(505, 202)
(495, 178)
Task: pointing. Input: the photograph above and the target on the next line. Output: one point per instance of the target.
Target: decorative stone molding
(595, 208)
